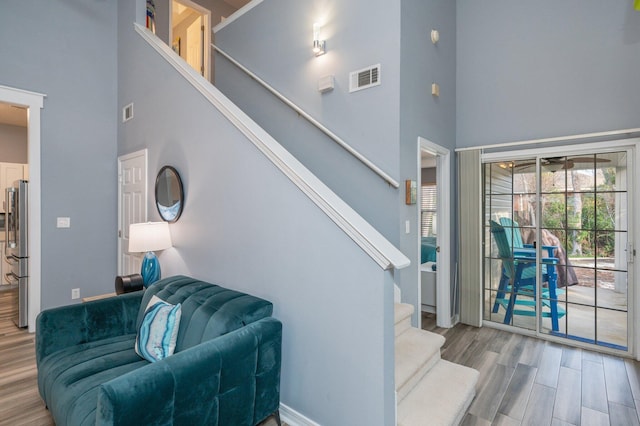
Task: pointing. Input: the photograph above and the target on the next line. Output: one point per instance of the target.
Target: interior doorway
(190, 34)
(33, 103)
(434, 200)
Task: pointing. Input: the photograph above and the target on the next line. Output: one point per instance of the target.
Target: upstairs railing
(351, 150)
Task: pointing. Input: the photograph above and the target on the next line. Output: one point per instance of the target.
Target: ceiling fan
(558, 163)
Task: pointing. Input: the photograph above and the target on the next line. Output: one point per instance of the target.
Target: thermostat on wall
(326, 84)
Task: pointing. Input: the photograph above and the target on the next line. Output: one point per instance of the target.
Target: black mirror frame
(177, 176)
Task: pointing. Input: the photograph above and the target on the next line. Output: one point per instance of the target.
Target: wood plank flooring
(523, 381)
(526, 381)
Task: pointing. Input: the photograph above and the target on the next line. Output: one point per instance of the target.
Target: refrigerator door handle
(11, 231)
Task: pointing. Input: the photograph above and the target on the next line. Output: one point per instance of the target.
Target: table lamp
(147, 238)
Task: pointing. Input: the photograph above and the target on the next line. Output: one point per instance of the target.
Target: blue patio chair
(518, 278)
(514, 238)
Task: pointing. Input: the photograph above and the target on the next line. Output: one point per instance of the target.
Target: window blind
(470, 240)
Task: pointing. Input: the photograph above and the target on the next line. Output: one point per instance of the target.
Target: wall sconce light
(318, 45)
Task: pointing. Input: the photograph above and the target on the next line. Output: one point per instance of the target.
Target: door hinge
(119, 233)
(631, 252)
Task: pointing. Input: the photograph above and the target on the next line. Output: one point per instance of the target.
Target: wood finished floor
(527, 381)
(20, 403)
(522, 380)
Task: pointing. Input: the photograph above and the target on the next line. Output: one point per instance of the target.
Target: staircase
(430, 390)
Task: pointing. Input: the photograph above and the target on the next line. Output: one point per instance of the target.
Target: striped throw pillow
(158, 331)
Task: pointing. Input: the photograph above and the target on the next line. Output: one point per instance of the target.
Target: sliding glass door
(556, 245)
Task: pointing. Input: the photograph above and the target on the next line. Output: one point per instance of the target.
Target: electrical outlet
(75, 293)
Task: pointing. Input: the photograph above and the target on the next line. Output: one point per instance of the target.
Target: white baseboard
(293, 418)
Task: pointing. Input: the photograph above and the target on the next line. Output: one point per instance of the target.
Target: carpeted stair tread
(440, 398)
(402, 316)
(417, 351)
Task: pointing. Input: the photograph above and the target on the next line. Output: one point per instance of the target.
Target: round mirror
(169, 195)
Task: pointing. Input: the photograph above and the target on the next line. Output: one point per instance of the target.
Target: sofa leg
(277, 416)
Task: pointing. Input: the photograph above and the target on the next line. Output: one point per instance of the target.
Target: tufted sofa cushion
(208, 310)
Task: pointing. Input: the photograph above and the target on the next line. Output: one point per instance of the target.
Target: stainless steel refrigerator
(17, 249)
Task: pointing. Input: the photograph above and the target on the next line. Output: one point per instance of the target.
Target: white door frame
(443, 230)
(206, 51)
(34, 102)
(121, 159)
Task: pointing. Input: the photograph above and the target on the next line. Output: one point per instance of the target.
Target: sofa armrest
(71, 325)
(232, 379)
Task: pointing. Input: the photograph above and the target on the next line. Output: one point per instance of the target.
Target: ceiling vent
(364, 78)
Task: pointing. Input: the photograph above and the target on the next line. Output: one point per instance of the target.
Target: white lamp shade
(150, 236)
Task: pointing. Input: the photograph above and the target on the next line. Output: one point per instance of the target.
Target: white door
(132, 206)
(195, 43)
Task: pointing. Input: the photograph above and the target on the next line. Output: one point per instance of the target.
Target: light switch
(407, 227)
(64, 222)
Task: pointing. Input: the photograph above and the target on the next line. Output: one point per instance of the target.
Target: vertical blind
(470, 240)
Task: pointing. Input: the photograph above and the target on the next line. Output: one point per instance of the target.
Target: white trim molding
(235, 15)
(34, 102)
(585, 137)
(385, 254)
(293, 418)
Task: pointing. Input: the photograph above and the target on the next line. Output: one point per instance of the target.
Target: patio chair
(514, 238)
(518, 281)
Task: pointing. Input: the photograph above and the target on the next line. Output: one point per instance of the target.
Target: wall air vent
(127, 113)
(364, 78)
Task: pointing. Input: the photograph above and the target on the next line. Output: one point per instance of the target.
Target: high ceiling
(16, 116)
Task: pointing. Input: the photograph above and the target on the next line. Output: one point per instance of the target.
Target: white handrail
(311, 120)
(385, 254)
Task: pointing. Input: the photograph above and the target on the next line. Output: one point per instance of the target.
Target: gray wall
(421, 114)
(257, 232)
(545, 68)
(66, 49)
(13, 144)
(274, 40)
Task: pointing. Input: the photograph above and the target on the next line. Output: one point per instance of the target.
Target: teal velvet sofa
(225, 370)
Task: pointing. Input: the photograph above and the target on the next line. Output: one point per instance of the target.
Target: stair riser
(403, 326)
(409, 384)
(442, 396)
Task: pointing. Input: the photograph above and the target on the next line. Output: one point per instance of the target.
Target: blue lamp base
(150, 270)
